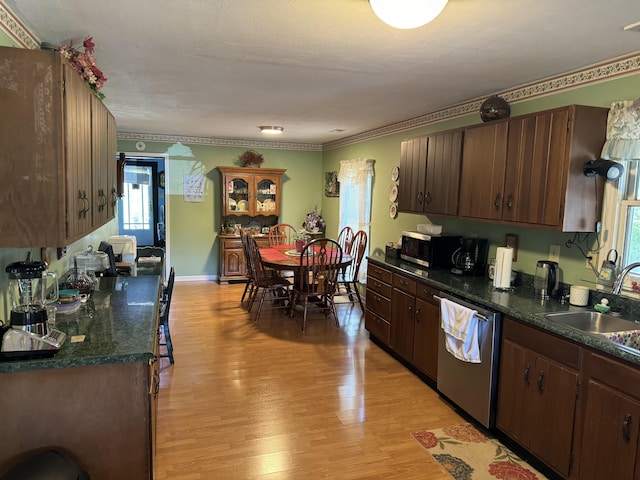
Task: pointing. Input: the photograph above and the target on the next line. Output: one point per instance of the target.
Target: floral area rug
(468, 454)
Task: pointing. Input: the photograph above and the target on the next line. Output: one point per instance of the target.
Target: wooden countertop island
(95, 400)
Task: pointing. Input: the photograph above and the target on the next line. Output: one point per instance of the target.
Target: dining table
(286, 257)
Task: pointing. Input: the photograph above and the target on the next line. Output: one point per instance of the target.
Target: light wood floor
(268, 402)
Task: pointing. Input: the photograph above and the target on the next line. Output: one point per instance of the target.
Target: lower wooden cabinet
(232, 262)
(378, 303)
(537, 392)
(607, 431)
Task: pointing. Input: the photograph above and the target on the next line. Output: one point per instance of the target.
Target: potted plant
(314, 222)
(301, 238)
(251, 158)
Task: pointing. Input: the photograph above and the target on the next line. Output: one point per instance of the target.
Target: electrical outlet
(554, 253)
(587, 264)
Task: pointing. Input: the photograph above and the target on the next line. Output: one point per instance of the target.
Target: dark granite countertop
(520, 303)
(119, 322)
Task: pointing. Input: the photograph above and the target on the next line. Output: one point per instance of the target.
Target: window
(621, 204)
(356, 181)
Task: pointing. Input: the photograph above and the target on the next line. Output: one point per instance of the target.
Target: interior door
(138, 206)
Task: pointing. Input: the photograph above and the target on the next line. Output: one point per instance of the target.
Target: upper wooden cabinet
(430, 173)
(528, 170)
(58, 142)
(251, 191)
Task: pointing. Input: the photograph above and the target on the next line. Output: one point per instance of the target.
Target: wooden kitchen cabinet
(538, 385)
(251, 191)
(378, 303)
(528, 170)
(482, 175)
(607, 431)
(56, 138)
(430, 173)
(415, 320)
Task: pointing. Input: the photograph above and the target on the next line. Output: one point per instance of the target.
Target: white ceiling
(221, 68)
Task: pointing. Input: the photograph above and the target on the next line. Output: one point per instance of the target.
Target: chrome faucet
(617, 286)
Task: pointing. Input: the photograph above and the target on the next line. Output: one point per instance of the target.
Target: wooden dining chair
(282, 234)
(345, 237)
(348, 276)
(165, 305)
(316, 278)
(266, 282)
(250, 285)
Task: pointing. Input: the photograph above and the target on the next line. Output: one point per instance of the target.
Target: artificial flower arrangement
(314, 221)
(251, 158)
(84, 62)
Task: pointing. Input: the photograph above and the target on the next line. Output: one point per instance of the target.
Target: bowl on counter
(429, 228)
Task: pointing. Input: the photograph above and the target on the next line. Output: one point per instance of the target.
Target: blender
(29, 284)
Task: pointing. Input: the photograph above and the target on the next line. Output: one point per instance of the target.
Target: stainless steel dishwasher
(472, 386)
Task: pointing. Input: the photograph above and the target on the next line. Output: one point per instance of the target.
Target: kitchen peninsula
(96, 398)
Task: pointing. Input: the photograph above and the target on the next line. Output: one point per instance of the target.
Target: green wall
(533, 243)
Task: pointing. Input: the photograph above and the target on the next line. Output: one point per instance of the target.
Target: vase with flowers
(301, 238)
(314, 222)
(251, 158)
(84, 62)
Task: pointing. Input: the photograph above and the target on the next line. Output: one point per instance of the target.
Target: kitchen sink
(593, 322)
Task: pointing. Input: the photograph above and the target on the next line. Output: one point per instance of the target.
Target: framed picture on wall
(331, 184)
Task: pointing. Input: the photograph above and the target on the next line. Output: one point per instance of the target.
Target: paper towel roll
(502, 276)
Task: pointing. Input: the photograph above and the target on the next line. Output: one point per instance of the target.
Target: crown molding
(13, 27)
(218, 142)
(618, 67)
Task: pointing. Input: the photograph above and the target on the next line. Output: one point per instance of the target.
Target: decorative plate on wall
(395, 173)
(393, 210)
(393, 192)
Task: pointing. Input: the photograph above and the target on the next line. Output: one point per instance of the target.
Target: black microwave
(431, 251)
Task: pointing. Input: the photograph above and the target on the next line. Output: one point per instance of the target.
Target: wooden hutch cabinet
(58, 161)
(250, 196)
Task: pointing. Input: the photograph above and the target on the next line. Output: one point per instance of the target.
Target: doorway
(142, 206)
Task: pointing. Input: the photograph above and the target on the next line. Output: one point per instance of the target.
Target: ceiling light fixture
(271, 129)
(407, 14)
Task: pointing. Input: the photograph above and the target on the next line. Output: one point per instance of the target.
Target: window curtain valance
(623, 131)
(355, 171)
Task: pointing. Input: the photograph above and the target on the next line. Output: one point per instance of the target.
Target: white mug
(578, 295)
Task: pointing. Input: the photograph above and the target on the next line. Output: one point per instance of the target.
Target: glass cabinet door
(237, 196)
(266, 196)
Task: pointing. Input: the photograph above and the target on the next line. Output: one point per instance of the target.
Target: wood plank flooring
(269, 402)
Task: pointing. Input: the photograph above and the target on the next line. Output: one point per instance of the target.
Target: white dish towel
(460, 325)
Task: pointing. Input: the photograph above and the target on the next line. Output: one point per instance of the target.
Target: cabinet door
(112, 166)
(535, 172)
(552, 424)
(267, 195)
(425, 339)
(413, 164)
(517, 386)
(78, 160)
(444, 155)
(402, 323)
(100, 150)
(236, 194)
(610, 435)
(483, 167)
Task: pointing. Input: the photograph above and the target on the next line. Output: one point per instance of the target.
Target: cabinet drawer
(549, 345)
(378, 304)
(426, 293)
(232, 243)
(404, 283)
(378, 286)
(378, 327)
(379, 273)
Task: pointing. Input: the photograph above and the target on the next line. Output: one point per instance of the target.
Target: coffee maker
(471, 258)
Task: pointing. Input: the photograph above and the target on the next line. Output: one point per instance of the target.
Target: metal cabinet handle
(428, 198)
(418, 314)
(626, 427)
(419, 198)
(496, 202)
(541, 382)
(526, 373)
(510, 200)
(403, 282)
